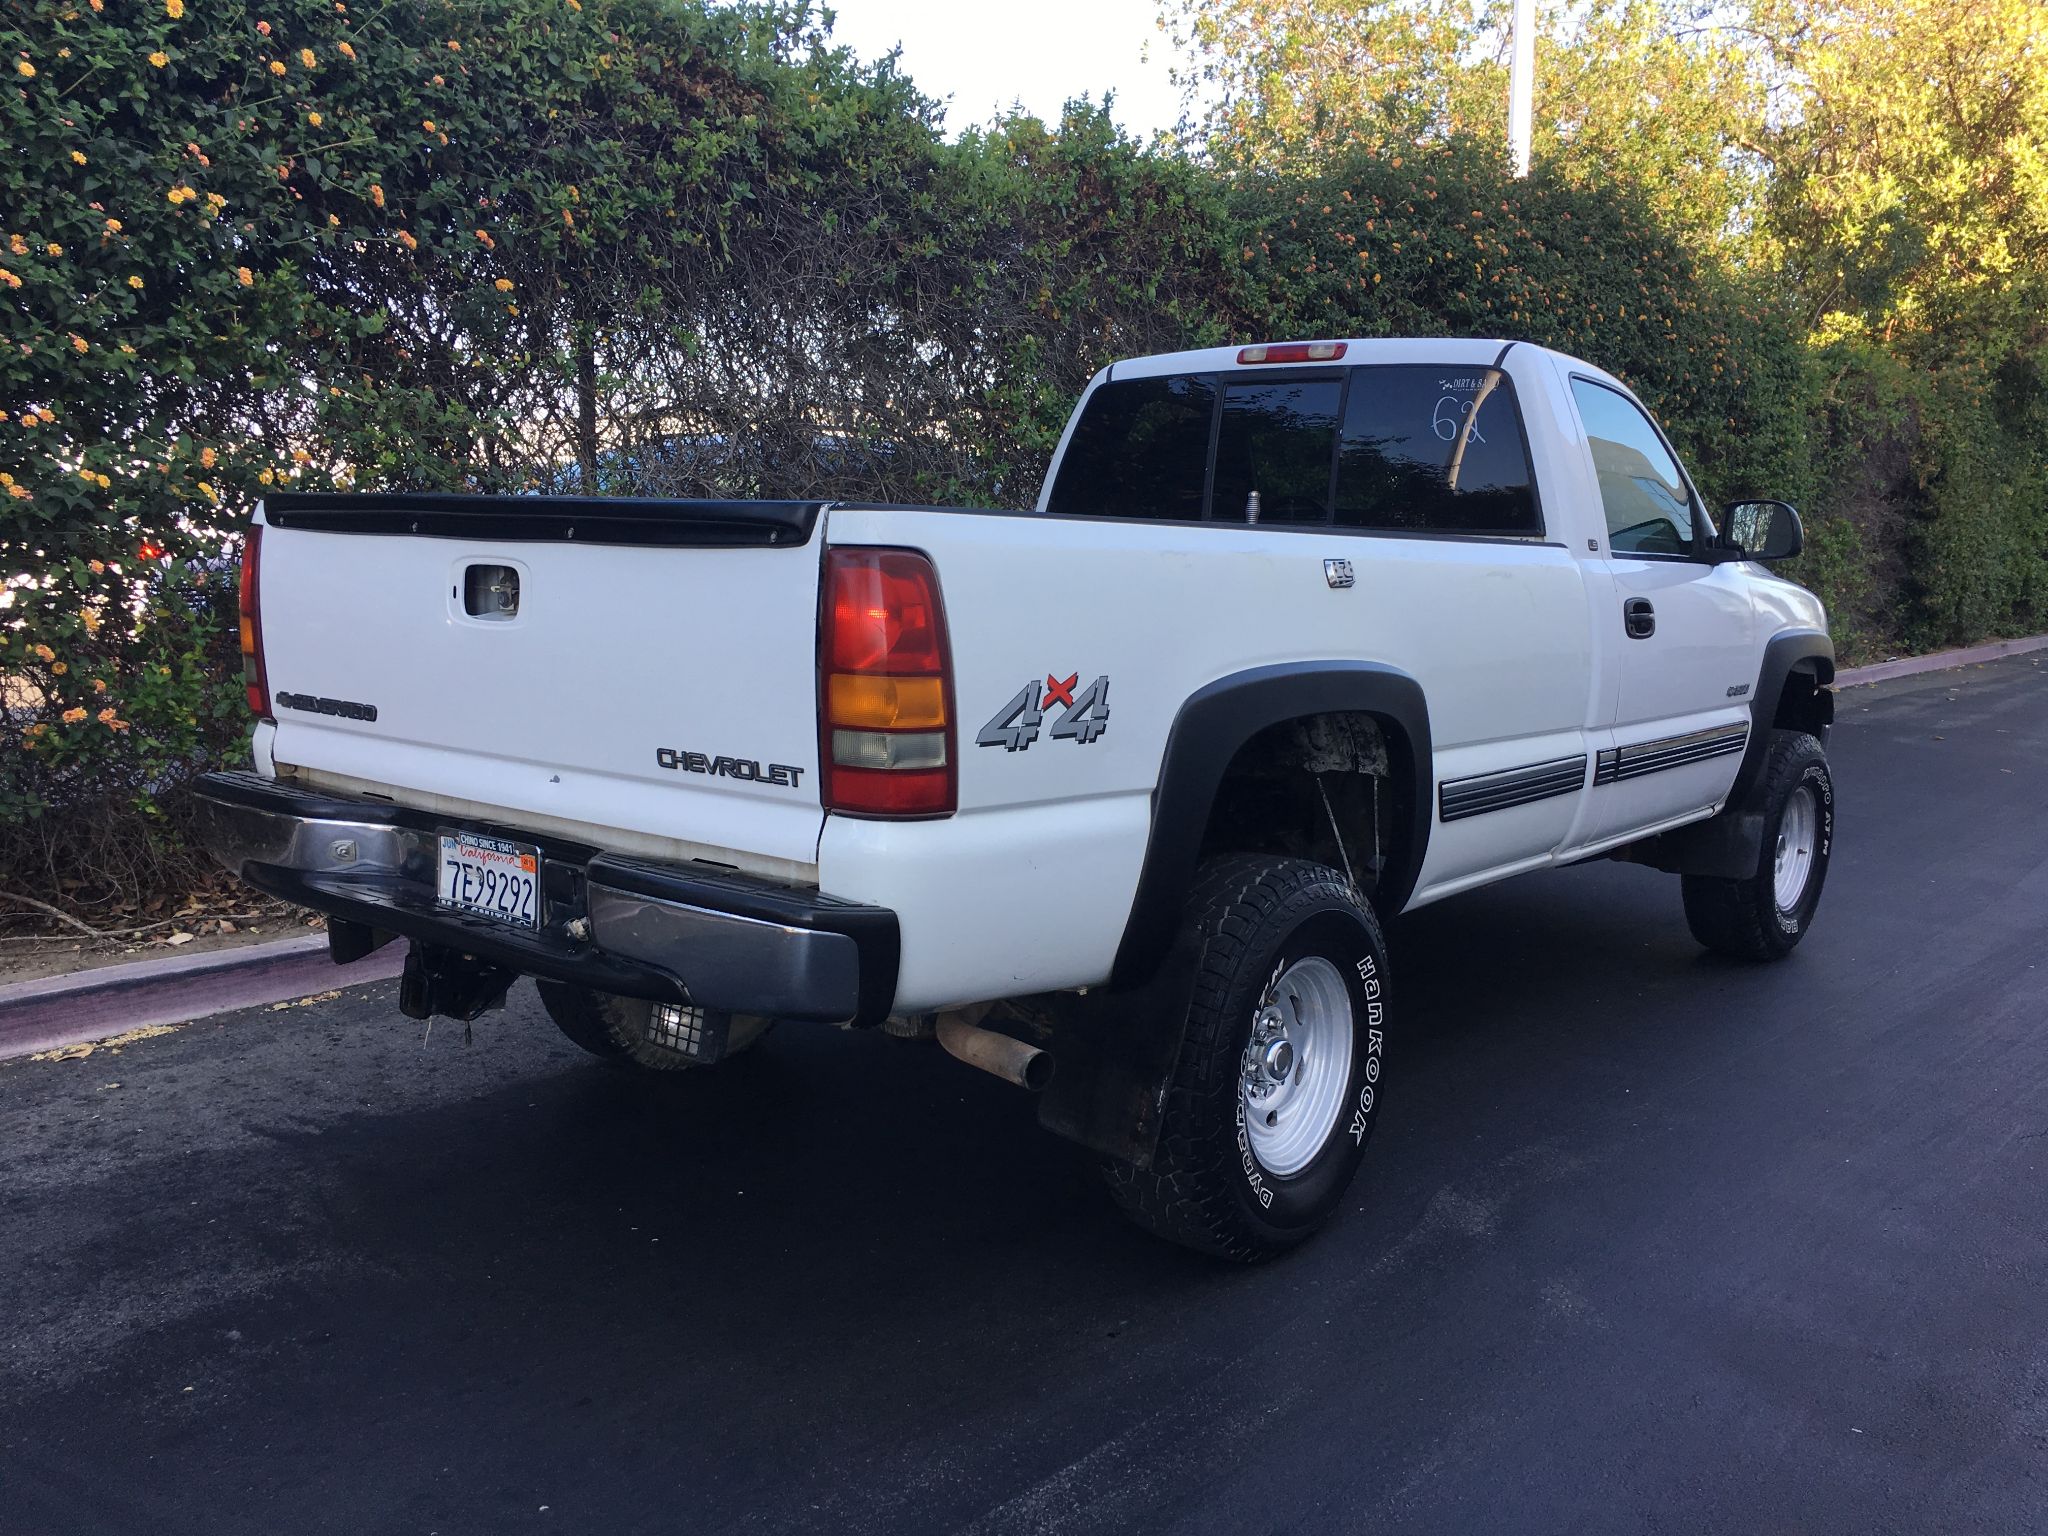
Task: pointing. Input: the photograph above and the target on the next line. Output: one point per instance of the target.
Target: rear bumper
(675, 932)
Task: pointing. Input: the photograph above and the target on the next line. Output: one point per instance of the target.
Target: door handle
(1639, 618)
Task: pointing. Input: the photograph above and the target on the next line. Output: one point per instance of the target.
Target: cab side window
(1649, 508)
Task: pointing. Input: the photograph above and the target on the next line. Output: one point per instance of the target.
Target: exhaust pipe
(1010, 1059)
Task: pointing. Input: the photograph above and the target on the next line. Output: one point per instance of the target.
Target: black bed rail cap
(677, 523)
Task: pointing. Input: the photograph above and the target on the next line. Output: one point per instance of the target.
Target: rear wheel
(630, 1032)
(1763, 915)
(1276, 1090)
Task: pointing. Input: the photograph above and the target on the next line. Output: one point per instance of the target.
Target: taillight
(255, 682)
(885, 690)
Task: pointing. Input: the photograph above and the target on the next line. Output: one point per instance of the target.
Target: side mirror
(1761, 530)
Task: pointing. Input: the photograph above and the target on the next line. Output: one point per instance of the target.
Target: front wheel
(1761, 916)
(1276, 1090)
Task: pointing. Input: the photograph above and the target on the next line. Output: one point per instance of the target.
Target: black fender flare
(1211, 726)
(1789, 651)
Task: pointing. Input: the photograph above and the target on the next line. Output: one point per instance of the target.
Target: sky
(986, 55)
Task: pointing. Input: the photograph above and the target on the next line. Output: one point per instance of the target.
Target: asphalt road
(1647, 1241)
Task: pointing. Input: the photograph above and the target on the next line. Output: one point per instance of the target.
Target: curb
(55, 1011)
(1940, 661)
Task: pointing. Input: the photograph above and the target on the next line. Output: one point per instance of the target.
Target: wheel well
(1806, 702)
(1331, 787)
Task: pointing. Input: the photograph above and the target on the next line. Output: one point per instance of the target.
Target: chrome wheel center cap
(1278, 1058)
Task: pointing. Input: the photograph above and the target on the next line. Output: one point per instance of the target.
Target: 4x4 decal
(1084, 717)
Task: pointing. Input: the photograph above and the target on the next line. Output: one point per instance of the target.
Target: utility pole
(1522, 85)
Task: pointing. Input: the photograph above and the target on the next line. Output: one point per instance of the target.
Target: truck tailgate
(655, 672)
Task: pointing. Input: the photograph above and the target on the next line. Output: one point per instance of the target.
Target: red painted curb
(55, 1011)
(1940, 661)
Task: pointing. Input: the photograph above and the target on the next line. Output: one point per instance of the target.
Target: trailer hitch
(442, 982)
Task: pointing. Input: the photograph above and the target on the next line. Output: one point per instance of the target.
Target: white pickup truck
(1299, 636)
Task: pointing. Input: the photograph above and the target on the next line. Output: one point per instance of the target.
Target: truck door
(1680, 630)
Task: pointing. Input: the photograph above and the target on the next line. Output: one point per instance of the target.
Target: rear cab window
(1387, 448)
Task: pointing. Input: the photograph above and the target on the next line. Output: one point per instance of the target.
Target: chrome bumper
(676, 932)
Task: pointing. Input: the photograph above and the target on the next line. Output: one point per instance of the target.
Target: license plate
(491, 878)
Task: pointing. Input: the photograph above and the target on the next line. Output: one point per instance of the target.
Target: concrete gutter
(55, 1011)
(1940, 661)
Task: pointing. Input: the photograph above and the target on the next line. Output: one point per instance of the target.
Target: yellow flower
(428, 125)
(99, 684)
(313, 118)
(91, 620)
(377, 194)
(78, 342)
(97, 5)
(46, 653)
(575, 5)
(73, 715)
(208, 492)
(263, 27)
(26, 70)
(268, 477)
(18, 245)
(207, 458)
(245, 277)
(175, 9)
(159, 58)
(511, 309)
(97, 567)
(20, 491)
(134, 281)
(277, 66)
(104, 482)
(54, 249)
(106, 716)
(308, 58)
(454, 46)
(346, 51)
(9, 278)
(59, 668)
(77, 157)
(179, 194)
(404, 238)
(504, 285)
(113, 226)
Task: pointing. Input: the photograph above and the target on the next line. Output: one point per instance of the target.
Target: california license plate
(491, 878)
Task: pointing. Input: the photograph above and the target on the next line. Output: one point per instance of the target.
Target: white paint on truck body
(1517, 643)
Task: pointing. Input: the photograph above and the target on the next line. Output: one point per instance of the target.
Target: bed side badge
(1337, 573)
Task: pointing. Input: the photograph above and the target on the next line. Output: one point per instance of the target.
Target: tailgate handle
(490, 592)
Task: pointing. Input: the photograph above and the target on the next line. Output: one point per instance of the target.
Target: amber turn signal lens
(866, 702)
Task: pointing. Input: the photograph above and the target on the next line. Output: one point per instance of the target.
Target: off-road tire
(1252, 915)
(614, 1029)
(1742, 917)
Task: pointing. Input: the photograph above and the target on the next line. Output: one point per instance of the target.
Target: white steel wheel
(1798, 835)
(1296, 1065)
